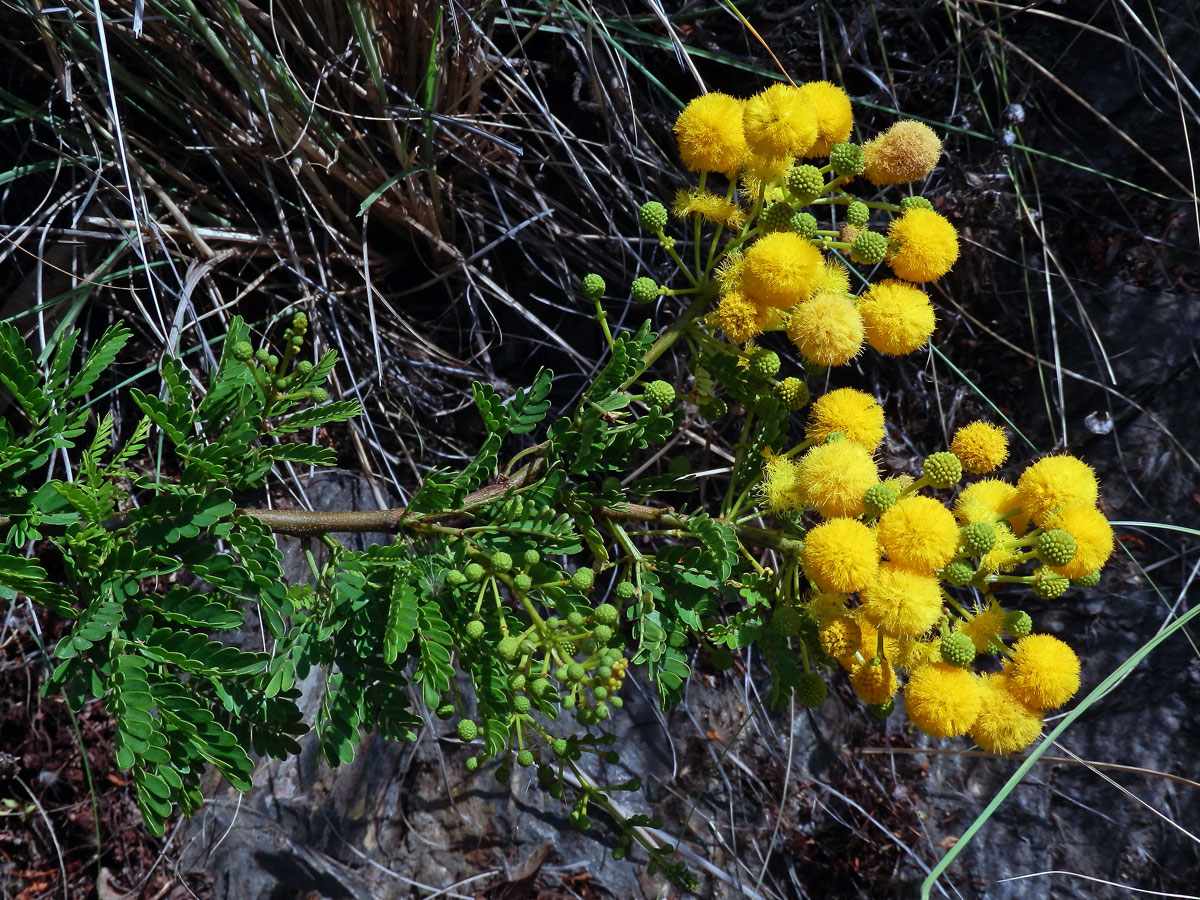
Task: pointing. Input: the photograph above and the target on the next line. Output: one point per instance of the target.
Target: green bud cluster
(804, 224)
(1048, 584)
(1055, 547)
(593, 286)
(777, 217)
(914, 203)
(659, 394)
(942, 470)
(793, 393)
(979, 538)
(764, 363)
(846, 160)
(868, 248)
(644, 290)
(858, 214)
(879, 499)
(958, 649)
(804, 182)
(811, 690)
(652, 216)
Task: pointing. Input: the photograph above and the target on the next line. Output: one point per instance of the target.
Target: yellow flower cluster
(885, 557)
(780, 271)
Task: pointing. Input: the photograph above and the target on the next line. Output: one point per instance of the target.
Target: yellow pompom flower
(849, 412)
(710, 136)
(1056, 481)
(918, 533)
(824, 607)
(781, 269)
(984, 628)
(833, 478)
(1005, 724)
(980, 447)
(1093, 539)
(840, 637)
(710, 207)
(942, 700)
(827, 329)
(874, 681)
(841, 556)
(835, 278)
(901, 603)
(1044, 671)
(924, 245)
(904, 153)
(779, 122)
(1002, 557)
(911, 654)
(987, 500)
(738, 317)
(762, 170)
(781, 484)
(835, 119)
(898, 316)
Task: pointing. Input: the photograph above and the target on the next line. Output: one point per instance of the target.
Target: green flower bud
(882, 710)
(516, 681)
(272, 360)
(600, 693)
(1049, 584)
(604, 672)
(602, 634)
(501, 561)
(502, 774)
(764, 363)
(593, 286)
(644, 290)
(980, 538)
(318, 395)
(625, 590)
(652, 216)
(445, 711)
(262, 354)
(833, 437)
(474, 572)
(659, 394)
(958, 650)
(617, 702)
(1091, 579)
(575, 619)
(1018, 623)
(467, 730)
(908, 203)
(804, 224)
(792, 393)
(531, 557)
(714, 409)
(958, 573)
(472, 763)
(787, 621)
(521, 704)
(943, 470)
(243, 351)
(474, 630)
(304, 368)
(583, 578)
(522, 582)
(1055, 547)
(858, 214)
(300, 322)
(576, 672)
(455, 578)
(525, 759)
(846, 159)
(509, 647)
(804, 182)
(811, 690)
(868, 248)
(879, 499)
(538, 687)
(560, 747)
(777, 217)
